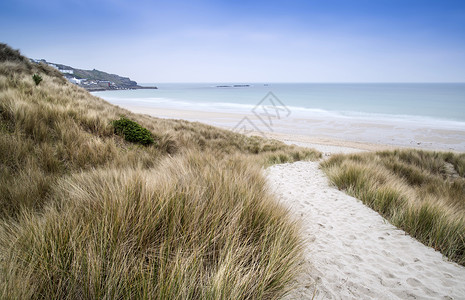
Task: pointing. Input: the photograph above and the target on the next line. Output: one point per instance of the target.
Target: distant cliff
(94, 80)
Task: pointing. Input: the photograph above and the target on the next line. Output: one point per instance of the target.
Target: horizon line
(305, 82)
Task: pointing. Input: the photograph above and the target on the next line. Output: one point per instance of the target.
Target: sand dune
(354, 253)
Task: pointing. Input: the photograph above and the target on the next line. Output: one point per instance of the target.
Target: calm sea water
(444, 103)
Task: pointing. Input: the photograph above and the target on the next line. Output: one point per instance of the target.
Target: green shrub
(37, 78)
(132, 131)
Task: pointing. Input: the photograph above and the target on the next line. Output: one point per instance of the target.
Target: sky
(245, 41)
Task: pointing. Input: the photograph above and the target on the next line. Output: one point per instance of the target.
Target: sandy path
(352, 252)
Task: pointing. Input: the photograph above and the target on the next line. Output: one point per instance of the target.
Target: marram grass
(418, 191)
(85, 214)
(58, 128)
(193, 228)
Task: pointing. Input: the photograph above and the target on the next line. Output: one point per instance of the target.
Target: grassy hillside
(100, 75)
(420, 192)
(86, 214)
(94, 74)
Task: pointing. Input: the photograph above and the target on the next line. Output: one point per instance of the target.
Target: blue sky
(245, 41)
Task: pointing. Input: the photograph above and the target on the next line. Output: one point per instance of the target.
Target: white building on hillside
(66, 71)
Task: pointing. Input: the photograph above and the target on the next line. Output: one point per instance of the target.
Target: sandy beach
(351, 251)
(346, 132)
(232, 150)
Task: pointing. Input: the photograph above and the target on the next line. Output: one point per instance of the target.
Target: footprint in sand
(413, 282)
(419, 268)
(357, 258)
(389, 275)
(449, 276)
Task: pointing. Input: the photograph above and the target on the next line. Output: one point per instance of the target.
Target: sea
(421, 115)
(428, 103)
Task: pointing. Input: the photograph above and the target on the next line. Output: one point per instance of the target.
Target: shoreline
(308, 132)
(92, 89)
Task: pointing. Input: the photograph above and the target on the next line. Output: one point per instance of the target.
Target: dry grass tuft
(421, 192)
